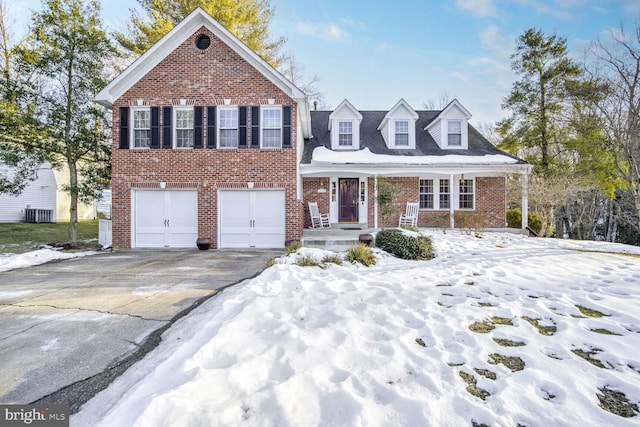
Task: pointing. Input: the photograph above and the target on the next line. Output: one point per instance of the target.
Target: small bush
(270, 263)
(362, 254)
(307, 261)
(399, 244)
(514, 220)
(292, 247)
(332, 259)
(474, 222)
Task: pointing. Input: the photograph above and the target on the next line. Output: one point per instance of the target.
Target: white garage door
(165, 218)
(251, 219)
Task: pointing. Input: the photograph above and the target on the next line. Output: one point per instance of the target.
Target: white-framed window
(345, 134)
(141, 128)
(271, 127)
(401, 132)
(435, 194)
(454, 133)
(228, 127)
(426, 194)
(466, 194)
(445, 194)
(183, 132)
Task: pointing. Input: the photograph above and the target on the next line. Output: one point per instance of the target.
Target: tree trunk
(73, 205)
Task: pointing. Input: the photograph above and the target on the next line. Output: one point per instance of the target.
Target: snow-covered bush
(362, 254)
(403, 245)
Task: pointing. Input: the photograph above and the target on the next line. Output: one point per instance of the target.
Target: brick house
(209, 141)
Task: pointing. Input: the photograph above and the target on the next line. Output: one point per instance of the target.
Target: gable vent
(203, 42)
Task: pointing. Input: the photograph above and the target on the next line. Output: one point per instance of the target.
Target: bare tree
(616, 63)
(295, 72)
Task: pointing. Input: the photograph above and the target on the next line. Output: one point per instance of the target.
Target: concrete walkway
(68, 328)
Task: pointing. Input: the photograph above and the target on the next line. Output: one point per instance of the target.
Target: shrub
(403, 246)
(270, 263)
(514, 219)
(473, 221)
(307, 261)
(293, 246)
(332, 259)
(362, 254)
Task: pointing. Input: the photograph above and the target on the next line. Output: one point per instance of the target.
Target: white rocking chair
(318, 220)
(410, 217)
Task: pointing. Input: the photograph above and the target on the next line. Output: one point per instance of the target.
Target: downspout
(375, 202)
(525, 199)
(452, 222)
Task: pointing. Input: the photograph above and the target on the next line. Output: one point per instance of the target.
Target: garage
(165, 218)
(251, 218)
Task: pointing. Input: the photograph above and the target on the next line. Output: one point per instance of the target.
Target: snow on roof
(365, 156)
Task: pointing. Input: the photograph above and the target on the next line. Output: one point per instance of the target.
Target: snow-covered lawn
(391, 345)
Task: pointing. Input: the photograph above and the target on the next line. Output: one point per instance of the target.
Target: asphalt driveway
(68, 328)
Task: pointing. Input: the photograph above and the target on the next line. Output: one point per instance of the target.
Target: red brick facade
(490, 201)
(203, 78)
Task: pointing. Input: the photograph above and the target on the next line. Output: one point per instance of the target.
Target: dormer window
(398, 127)
(450, 127)
(402, 132)
(344, 125)
(454, 133)
(345, 134)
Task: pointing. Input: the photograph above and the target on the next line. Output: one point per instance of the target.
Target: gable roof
(371, 138)
(344, 104)
(453, 104)
(174, 38)
(392, 111)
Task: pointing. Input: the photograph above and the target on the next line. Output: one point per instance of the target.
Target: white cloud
(479, 8)
(322, 30)
(460, 76)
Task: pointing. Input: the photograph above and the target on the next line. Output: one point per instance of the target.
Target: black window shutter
(124, 127)
(166, 127)
(286, 126)
(155, 127)
(255, 127)
(197, 127)
(211, 127)
(242, 127)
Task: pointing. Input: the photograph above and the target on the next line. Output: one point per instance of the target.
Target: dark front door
(348, 200)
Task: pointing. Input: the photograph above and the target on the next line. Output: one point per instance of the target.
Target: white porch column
(375, 201)
(452, 221)
(525, 199)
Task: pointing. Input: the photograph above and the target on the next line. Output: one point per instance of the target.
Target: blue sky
(375, 52)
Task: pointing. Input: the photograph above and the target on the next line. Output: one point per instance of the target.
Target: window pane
(271, 118)
(454, 132)
(444, 194)
(402, 126)
(184, 119)
(345, 139)
(466, 194)
(402, 139)
(228, 137)
(345, 127)
(228, 119)
(426, 194)
(141, 119)
(141, 138)
(184, 138)
(271, 138)
(455, 139)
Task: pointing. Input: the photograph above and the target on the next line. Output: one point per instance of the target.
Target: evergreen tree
(247, 19)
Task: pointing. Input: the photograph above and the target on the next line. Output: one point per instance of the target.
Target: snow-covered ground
(391, 345)
(10, 261)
